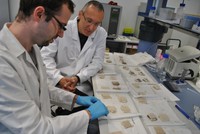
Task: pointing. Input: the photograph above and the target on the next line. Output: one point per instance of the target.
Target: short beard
(44, 44)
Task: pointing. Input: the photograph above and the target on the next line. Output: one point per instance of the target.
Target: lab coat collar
(13, 45)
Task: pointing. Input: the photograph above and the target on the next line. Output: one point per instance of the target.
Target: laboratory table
(188, 96)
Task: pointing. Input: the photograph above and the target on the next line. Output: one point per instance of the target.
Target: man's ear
(38, 13)
(80, 13)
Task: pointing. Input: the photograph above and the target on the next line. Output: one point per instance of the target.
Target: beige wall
(129, 11)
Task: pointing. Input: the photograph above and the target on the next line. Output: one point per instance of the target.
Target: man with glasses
(74, 59)
(25, 93)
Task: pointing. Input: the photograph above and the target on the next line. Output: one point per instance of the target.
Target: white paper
(142, 58)
(109, 83)
(118, 101)
(108, 69)
(136, 75)
(152, 90)
(158, 107)
(124, 59)
(136, 126)
(166, 94)
(143, 90)
(137, 59)
(109, 58)
(171, 130)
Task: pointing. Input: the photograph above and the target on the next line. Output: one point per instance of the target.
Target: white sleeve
(97, 60)
(61, 97)
(19, 114)
(48, 54)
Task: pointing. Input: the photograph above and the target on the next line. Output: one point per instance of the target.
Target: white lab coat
(64, 56)
(24, 94)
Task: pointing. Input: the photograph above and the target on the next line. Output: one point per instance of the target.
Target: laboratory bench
(186, 98)
(188, 94)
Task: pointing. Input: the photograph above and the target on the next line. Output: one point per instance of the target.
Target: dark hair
(26, 7)
(95, 3)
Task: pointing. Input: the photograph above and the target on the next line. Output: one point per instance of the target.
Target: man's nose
(92, 27)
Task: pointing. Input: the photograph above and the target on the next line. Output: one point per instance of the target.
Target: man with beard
(25, 93)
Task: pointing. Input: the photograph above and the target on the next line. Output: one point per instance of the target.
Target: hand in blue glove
(86, 100)
(97, 110)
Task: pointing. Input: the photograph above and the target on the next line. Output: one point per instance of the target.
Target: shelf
(122, 43)
(174, 26)
(125, 39)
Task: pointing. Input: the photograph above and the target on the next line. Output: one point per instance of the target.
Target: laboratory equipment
(171, 86)
(187, 23)
(183, 58)
(196, 27)
(152, 12)
(166, 13)
(148, 39)
(180, 12)
(111, 19)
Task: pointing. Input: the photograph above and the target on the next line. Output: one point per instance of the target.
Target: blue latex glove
(86, 100)
(97, 110)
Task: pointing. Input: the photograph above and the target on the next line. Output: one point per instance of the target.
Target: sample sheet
(169, 130)
(109, 83)
(120, 105)
(124, 59)
(126, 126)
(136, 75)
(108, 69)
(109, 58)
(152, 90)
(137, 59)
(157, 112)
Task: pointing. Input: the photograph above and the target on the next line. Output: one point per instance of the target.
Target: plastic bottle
(152, 12)
(180, 12)
(161, 73)
(158, 55)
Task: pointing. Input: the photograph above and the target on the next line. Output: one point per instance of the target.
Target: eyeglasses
(90, 21)
(62, 26)
(50, 13)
